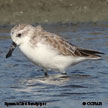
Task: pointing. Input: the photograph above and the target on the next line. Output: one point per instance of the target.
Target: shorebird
(48, 50)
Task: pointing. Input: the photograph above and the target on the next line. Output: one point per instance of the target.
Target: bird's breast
(40, 54)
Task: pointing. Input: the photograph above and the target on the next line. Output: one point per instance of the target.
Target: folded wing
(67, 49)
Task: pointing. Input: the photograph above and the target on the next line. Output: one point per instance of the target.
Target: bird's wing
(67, 49)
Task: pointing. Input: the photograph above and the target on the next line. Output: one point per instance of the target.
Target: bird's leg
(46, 73)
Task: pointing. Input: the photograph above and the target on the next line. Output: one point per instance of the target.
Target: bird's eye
(19, 35)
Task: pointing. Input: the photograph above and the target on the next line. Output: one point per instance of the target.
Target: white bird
(48, 50)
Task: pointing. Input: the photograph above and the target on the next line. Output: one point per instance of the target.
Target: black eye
(19, 35)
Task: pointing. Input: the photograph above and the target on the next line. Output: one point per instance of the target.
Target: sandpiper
(48, 50)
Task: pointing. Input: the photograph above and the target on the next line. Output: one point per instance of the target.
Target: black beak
(13, 46)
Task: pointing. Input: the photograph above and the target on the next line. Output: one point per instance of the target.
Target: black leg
(46, 74)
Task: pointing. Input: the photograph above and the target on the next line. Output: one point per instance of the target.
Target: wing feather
(68, 49)
(63, 46)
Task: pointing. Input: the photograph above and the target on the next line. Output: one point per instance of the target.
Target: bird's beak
(12, 47)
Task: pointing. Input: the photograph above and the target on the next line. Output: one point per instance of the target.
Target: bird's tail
(90, 54)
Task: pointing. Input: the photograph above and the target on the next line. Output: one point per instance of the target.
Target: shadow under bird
(48, 50)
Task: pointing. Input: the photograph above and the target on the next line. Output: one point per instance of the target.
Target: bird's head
(19, 34)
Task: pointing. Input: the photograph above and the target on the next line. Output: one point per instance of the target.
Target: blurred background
(52, 11)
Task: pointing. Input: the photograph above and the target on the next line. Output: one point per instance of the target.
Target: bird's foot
(64, 73)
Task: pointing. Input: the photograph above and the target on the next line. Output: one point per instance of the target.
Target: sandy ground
(52, 11)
